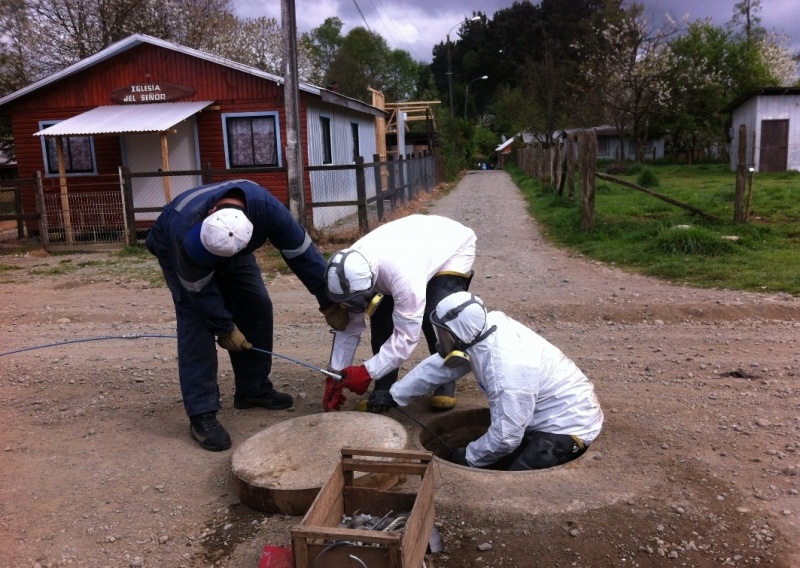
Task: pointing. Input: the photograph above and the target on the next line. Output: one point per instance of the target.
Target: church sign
(151, 93)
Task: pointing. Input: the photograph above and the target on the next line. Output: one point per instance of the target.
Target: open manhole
(599, 478)
(456, 429)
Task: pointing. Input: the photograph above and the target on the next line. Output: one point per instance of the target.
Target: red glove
(333, 398)
(356, 379)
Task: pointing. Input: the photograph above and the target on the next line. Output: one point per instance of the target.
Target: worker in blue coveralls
(204, 241)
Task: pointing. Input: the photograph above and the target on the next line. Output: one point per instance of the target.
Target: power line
(362, 15)
(391, 21)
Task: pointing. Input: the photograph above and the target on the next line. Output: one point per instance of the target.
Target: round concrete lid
(282, 468)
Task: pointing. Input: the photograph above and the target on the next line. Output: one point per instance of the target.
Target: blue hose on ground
(164, 336)
(335, 376)
(132, 336)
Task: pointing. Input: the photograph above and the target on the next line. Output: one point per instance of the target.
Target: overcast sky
(417, 25)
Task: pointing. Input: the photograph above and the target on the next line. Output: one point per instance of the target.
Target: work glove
(336, 316)
(356, 379)
(380, 401)
(234, 341)
(334, 398)
(459, 457)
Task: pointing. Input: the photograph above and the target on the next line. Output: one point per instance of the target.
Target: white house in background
(771, 116)
(609, 145)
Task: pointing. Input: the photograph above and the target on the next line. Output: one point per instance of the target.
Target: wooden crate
(313, 540)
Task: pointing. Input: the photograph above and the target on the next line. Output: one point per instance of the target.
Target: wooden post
(571, 166)
(62, 181)
(165, 167)
(588, 155)
(378, 185)
(129, 217)
(43, 228)
(361, 196)
(557, 167)
(741, 167)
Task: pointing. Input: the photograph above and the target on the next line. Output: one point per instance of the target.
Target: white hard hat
(221, 235)
(349, 280)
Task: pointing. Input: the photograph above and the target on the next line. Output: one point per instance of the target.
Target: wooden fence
(571, 161)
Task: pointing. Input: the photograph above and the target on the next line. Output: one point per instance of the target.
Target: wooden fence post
(741, 167)
(571, 166)
(378, 185)
(557, 167)
(44, 229)
(588, 165)
(361, 196)
(126, 187)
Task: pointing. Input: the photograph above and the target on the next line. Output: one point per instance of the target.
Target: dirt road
(697, 465)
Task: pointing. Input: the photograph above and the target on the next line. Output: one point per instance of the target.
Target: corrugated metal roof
(120, 119)
(133, 41)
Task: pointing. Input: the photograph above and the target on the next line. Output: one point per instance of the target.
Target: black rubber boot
(209, 433)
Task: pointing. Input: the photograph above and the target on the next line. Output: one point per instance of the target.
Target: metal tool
(331, 374)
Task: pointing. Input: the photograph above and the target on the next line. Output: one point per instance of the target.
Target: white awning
(125, 119)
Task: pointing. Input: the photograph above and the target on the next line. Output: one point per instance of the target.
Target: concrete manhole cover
(282, 468)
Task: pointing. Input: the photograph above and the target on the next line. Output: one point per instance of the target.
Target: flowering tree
(628, 79)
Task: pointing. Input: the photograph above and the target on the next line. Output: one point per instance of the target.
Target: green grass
(647, 235)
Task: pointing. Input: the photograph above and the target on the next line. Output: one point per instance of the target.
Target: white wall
(338, 185)
(757, 109)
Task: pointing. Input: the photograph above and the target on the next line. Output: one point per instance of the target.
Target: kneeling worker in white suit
(544, 411)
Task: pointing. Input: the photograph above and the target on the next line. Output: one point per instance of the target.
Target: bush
(647, 178)
(691, 241)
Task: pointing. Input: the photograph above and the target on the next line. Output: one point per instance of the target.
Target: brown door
(774, 145)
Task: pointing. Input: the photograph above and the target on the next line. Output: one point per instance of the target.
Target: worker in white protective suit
(544, 411)
(396, 275)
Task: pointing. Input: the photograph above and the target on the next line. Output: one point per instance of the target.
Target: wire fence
(119, 209)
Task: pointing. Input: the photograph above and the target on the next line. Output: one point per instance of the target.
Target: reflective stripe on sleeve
(293, 253)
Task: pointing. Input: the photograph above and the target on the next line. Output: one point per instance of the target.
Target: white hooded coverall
(530, 384)
(404, 255)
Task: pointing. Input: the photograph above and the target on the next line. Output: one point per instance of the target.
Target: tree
(323, 43)
(628, 78)
(745, 15)
(364, 61)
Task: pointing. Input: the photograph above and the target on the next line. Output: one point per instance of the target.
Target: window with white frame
(79, 156)
(251, 140)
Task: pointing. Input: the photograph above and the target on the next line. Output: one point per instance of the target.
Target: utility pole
(294, 147)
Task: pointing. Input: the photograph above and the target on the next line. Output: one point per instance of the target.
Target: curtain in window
(251, 141)
(264, 141)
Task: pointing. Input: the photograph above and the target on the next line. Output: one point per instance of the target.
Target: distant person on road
(396, 275)
(544, 411)
(204, 241)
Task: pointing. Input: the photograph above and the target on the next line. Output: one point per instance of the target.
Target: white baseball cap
(221, 235)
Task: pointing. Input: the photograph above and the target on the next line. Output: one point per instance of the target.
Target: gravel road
(697, 464)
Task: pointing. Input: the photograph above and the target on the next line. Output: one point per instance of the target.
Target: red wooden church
(148, 105)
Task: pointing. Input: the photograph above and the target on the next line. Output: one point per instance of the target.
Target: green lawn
(642, 233)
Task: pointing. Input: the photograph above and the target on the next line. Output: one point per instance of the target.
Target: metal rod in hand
(335, 376)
